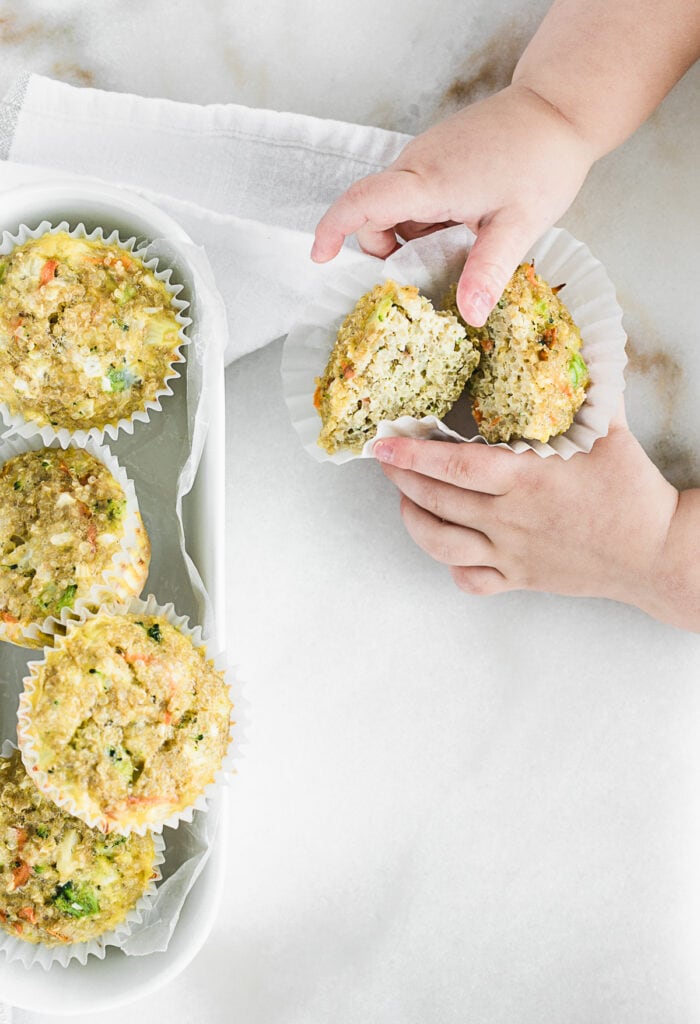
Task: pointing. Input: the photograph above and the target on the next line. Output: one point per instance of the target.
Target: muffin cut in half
(88, 334)
(60, 881)
(531, 379)
(125, 722)
(62, 527)
(394, 356)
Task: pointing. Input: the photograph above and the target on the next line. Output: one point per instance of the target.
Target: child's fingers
(415, 229)
(380, 200)
(446, 543)
(473, 467)
(479, 579)
(498, 249)
(447, 502)
(377, 243)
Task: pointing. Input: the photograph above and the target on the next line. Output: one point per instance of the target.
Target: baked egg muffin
(62, 522)
(125, 721)
(60, 881)
(88, 334)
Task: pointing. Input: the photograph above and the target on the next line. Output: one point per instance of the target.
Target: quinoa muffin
(531, 379)
(88, 334)
(126, 721)
(62, 524)
(60, 881)
(394, 356)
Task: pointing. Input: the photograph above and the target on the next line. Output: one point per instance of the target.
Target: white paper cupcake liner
(124, 578)
(18, 424)
(432, 263)
(28, 953)
(43, 780)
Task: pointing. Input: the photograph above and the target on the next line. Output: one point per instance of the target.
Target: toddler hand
(603, 524)
(507, 167)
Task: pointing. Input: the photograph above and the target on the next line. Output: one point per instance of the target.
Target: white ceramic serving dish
(119, 979)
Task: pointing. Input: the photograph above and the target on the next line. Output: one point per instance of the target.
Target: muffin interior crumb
(394, 355)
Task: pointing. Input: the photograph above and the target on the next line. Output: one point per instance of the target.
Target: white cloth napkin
(248, 185)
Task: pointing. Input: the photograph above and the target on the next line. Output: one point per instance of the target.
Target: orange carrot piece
(48, 272)
(20, 875)
(27, 913)
(132, 659)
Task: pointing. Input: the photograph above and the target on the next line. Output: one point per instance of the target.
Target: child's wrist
(566, 121)
(672, 591)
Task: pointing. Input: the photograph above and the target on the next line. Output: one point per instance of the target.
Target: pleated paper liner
(432, 263)
(17, 423)
(86, 810)
(124, 578)
(29, 954)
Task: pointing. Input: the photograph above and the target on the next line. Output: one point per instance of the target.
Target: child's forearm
(605, 65)
(673, 594)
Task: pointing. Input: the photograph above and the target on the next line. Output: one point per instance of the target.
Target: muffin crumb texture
(394, 356)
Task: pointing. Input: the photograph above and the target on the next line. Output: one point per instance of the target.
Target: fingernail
(479, 305)
(315, 250)
(383, 451)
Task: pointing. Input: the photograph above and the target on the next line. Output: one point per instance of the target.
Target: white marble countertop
(451, 809)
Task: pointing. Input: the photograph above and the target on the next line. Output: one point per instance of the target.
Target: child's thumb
(499, 247)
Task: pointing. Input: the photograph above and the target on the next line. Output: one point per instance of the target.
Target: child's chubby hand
(603, 524)
(507, 167)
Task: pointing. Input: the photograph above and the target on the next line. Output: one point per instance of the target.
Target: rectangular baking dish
(119, 979)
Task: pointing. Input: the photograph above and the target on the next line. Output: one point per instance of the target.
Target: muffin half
(531, 379)
(394, 356)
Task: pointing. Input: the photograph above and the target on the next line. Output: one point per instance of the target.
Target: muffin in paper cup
(126, 723)
(433, 263)
(90, 332)
(71, 535)
(66, 891)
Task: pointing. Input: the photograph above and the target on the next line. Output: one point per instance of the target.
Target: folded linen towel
(248, 185)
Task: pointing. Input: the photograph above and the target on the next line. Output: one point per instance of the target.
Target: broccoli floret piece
(76, 899)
